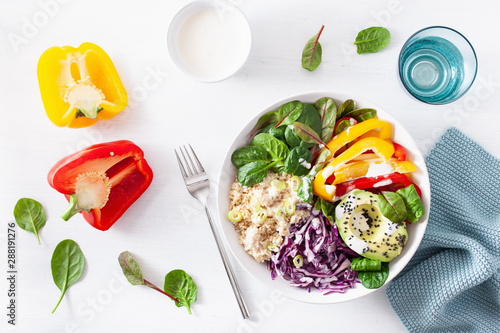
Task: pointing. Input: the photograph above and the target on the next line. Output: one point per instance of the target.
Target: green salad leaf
(289, 112)
(374, 279)
(30, 216)
(247, 154)
(362, 264)
(328, 113)
(179, 284)
(67, 266)
(392, 206)
(372, 40)
(297, 161)
(413, 203)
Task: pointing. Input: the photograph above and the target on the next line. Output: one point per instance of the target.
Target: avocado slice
(365, 230)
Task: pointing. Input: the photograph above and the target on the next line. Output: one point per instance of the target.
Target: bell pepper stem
(72, 210)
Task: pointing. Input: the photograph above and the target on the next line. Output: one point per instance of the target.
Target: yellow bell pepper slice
(380, 147)
(357, 130)
(79, 85)
(359, 169)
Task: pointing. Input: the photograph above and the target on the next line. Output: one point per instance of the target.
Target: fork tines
(191, 167)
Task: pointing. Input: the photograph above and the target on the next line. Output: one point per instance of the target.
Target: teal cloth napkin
(452, 284)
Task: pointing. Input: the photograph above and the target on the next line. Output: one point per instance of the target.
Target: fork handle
(227, 266)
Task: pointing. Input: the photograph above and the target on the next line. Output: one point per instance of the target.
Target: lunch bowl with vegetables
(323, 197)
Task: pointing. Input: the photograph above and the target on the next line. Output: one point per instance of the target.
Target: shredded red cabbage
(326, 259)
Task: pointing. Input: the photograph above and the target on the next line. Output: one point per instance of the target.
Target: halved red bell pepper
(102, 181)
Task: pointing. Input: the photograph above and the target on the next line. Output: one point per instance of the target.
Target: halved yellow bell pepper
(79, 85)
(380, 147)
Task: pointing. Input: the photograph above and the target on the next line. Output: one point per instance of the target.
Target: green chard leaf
(30, 216)
(289, 112)
(179, 284)
(413, 203)
(362, 264)
(247, 154)
(376, 279)
(328, 113)
(372, 40)
(67, 266)
(311, 55)
(392, 206)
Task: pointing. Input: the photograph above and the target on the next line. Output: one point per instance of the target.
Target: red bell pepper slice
(386, 182)
(399, 152)
(102, 181)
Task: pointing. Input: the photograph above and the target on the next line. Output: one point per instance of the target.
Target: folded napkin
(452, 284)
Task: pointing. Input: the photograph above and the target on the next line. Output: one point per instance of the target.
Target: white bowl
(259, 270)
(209, 40)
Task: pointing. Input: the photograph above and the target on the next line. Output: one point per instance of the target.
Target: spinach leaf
(30, 216)
(291, 138)
(374, 280)
(311, 55)
(328, 114)
(372, 40)
(346, 107)
(307, 134)
(247, 154)
(133, 273)
(298, 162)
(305, 192)
(362, 264)
(179, 284)
(361, 114)
(253, 173)
(414, 206)
(67, 266)
(264, 120)
(278, 133)
(289, 112)
(276, 148)
(328, 210)
(392, 206)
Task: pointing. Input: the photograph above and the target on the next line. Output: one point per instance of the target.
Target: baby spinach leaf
(67, 266)
(307, 134)
(278, 133)
(289, 112)
(276, 148)
(376, 279)
(253, 173)
(392, 206)
(264, 120)
(30, 216)
(361, 114)
(362, 264)
(413, 203)
(133, 273)
(311, 55)
(328, 113)
(372, 40)
(247, 154)
(179, 284)
(305, 192)
(291, 138)
(298, 162)
(346, 107)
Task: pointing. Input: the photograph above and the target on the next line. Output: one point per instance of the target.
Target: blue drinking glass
(437, 65)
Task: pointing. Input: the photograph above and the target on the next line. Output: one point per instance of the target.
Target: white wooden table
(166, 229)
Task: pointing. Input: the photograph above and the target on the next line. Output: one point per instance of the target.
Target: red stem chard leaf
(289, 112)
(307, 134)
(133, 273)
(361, 114)
(346, 107)
(392, 206)
(264, 120)
(328, 113)
(311, 55)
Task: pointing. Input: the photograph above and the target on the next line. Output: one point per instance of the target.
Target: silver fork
(198, 185)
